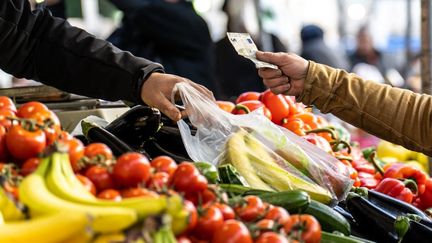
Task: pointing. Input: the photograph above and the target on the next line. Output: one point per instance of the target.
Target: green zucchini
(229, 175)
(329, 219)
(294, 201)
(336, 238)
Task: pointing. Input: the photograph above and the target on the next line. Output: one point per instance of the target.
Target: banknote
(245, 46)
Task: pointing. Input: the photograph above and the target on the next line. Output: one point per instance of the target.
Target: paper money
(245, 46)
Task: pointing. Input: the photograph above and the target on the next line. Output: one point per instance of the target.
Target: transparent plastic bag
(270, 157)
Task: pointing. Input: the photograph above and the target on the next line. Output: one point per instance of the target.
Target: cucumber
(239, 190)
(335, 238)
(294, 201)
(229, 175)
(329, 219)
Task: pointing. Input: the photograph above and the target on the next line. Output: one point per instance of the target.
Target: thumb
(271, 57)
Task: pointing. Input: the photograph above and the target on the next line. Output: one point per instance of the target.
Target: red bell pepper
(424, 201)
(319, 141)
(405, 171)
(368, 180)
(397, 189)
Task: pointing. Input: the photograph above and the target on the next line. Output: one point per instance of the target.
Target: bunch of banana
(263, 170)
(55, 227)
(54, 187)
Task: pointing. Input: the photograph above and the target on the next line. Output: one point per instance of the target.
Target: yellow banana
(54, 227)
(62, 182)
(34, 193)
(9, 208)
(237, 155)
(1, 219)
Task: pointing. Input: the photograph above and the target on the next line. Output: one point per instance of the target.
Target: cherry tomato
(137, 192)
(87, 183)
(188, 179)
(29, 166)
(131, 169)
(100, 177)
(227, 211)
(110, 194)
(98, 150)
(75, 150)
(3, 149)
(265, 225)
(277, 105)
(251, 95)
(271, 237)
(7, 103)
(250, 105)
(232, 231)
(23, 144)
(164, 164)
(208, 222)
(158, 181)
(225, 105)
(251, 209)
(4, 115)
(193, 215)
(304, 228)
(277, 214)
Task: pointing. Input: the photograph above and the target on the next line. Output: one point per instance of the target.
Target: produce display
(134, 180)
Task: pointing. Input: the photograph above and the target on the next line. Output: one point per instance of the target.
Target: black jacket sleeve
(35, 45)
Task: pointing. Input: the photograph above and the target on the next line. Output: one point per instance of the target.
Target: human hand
(289, 78)
(156, 92)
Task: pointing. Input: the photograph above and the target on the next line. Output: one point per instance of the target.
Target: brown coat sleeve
(396, 115)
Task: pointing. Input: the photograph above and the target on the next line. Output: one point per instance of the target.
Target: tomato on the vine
(304, 228)
(131, 169)
(250, 209)
(98, 151)
(3, 149)
(158, 181)
(29, 166)
(225, 105)
(226, 210)
(232, 231)
(24, 144)
(7, 103)
(100, 177)
(265, 225)
(87, 183)
(137, 192)
(250, 95)
(271, 237)
(110, 194)
(188, 179)
(75, 150)
(277, 105)
(277, 214)
(164, 164)
(209, 221)
(5, 116)
(193, 215)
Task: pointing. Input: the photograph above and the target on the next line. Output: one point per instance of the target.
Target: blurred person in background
(396, 115)
(235, 74)
(169, 32)
(314, 48)
(36, 45)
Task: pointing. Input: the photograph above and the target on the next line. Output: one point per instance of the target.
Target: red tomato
(131, 169)
(277, 105)
(3, 149)
(110, 194)
(208, 223)
(252, 208)
(164, 164)
(265, 225)
(188, 179)
(193, 216)
(98, 150)
(100, 177)
(208, 196)
(4, 115)
(75, 150)
(226, 210)
(138, 192)
(158, 181)
(271, 237)
(251, 95)
(87, 183)
(29, 166)
(225, 105)
(30, 109)
(250, 105)
(304, 228)
(232, 231)
(7, 103)
(277, 214)
(23, 144)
